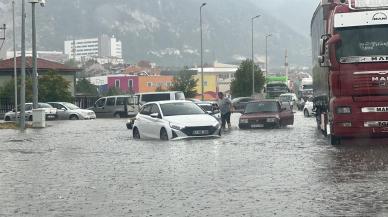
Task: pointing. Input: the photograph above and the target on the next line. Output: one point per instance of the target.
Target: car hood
(261, 115)
(192, 120)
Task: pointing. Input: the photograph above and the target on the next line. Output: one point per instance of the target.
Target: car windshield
(362, 42)
(285, 98)
(181, 108)
(257, 107)
(70, 106)
(44, 105)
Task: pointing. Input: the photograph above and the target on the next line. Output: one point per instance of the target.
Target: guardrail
(6, 105)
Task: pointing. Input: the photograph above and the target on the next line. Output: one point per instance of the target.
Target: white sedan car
(167, 120)
(69, 111)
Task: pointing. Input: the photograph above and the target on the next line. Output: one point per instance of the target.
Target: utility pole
(253, 60)
(286, 64)
(14, 58)
(200, 23)
(23, 70)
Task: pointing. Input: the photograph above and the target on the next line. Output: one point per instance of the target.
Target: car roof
(168, 102)
(264, 100)
(159, 92)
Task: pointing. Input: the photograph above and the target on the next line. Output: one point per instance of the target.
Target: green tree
(85, 87)
(51, 87)
(184, 81)
(242, 84)
(113, 91)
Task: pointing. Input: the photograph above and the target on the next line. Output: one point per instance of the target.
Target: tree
(242, 84)
(85, 87)
(52, 87)
(184, 81)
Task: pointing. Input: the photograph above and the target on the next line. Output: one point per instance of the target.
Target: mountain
(167, 31)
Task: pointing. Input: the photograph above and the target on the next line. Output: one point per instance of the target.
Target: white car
(69, 111)
(167, 120)
(308, 109)
(51, 113)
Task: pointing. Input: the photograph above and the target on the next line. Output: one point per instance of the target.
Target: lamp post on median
(34, 54)
(200, 23)
(266, 54)
(253, 61)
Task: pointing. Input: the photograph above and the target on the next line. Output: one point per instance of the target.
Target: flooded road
(94, 168)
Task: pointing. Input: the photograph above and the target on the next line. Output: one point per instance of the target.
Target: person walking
(225, 108)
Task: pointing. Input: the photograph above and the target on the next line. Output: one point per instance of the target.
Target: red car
(266, 114)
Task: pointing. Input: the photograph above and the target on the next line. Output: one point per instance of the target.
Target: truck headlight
(344, 110)
(243, 121)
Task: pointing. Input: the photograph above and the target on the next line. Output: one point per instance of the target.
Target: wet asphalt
(94, 168)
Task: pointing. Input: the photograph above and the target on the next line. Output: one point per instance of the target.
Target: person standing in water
(225, 108)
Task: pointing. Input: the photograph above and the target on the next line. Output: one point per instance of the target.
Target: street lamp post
(34, 55)
(14, 57)
(266, 54)
(200, 23)
(23, 70)
(253, 61)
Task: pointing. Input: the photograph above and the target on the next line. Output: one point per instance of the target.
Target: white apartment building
(94, 48)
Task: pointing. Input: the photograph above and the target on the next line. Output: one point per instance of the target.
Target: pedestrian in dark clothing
(225, 108)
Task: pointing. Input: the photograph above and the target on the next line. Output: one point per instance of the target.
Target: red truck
(350, 68)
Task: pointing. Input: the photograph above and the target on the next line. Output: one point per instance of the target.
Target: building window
(117, 83)
(149, 84)
(205, 83)
(130, 84)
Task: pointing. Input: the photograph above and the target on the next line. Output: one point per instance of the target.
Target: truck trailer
(350, 68)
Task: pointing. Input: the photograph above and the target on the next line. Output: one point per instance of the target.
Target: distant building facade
(103, 48)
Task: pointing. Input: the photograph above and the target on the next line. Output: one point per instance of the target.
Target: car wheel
(117, 115)
(73, 117)
(163, 134)
(7, 118)
(136, 133)
(306, 113)
(30, 118)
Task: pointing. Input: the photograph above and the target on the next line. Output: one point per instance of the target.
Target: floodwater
(94, 168)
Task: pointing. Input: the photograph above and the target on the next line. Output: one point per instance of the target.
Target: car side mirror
(155, 115)
(209, 112)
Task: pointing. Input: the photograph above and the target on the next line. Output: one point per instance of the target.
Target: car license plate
(257, 125)
(200, 132)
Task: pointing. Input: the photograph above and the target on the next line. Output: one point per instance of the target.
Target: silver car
(51, 113)
(69, 111)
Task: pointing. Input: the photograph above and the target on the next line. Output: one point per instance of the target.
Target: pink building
(125, 83)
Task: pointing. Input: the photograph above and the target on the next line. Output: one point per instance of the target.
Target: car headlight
(344, 110)
(176, 127)
(271, 120)
(243, 121)
(216, 125)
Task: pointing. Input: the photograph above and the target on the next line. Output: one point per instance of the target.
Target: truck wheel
(7, 118)
(334, 140)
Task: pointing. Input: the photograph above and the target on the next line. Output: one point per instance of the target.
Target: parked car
(266, 114)
(51, 113)
(290, 98)
(160, 96)
(174, 119)
(69, 111)
(116, 106)
(210, 108)
(308, 109)
(240, 103)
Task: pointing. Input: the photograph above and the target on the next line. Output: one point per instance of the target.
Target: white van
(116, 106)
(159, 96)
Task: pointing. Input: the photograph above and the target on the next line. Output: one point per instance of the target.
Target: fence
(85, 101)
(6, 105)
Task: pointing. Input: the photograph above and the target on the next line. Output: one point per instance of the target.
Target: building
(139, 84)
(56, 56)
(224, 73)
(7, 70)
(103, 48)
(210, 86)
